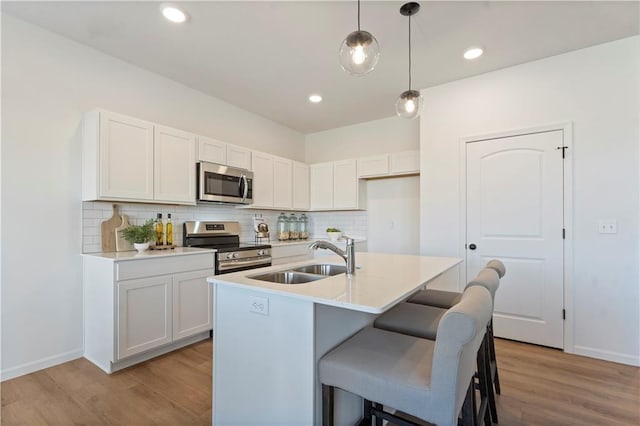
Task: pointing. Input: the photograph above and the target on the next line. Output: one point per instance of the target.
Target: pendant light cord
(409, 52)
(358, 15)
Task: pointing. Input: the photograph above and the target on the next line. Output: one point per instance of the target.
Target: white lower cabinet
(192, 303)
(144, 314)
(138, 309)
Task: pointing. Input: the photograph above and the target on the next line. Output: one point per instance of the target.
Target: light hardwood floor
(540, 386)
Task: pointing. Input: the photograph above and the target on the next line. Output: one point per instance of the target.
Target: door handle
(472, 246)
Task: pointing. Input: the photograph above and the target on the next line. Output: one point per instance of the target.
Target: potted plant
(334, 234)
(140, 235)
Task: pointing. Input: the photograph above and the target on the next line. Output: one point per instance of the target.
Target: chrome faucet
(349, 255)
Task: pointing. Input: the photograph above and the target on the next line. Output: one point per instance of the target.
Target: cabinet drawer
(165, 265)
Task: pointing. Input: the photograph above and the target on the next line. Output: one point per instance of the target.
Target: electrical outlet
(259, 305)
(608, 226)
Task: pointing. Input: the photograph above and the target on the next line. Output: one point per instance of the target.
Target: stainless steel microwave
(224, 184)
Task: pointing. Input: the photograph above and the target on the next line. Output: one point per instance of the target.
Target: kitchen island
(268, 337)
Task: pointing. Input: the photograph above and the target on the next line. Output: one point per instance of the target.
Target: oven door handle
(223, 266)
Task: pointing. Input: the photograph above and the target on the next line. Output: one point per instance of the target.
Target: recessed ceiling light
(473, 53)
(173, 14)
(315, 99)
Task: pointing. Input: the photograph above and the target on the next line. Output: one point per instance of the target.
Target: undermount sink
(287, 277)
(326, 270)
(301, 275)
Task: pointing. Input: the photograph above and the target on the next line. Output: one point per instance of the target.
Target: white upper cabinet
(321, 186)
(300, 186)
(272, 181)
(395, 164)
(282, 183)
(174, 165)
(211, 150)
(126, 159)
(262, 166)
(345, 185)
(335, 186)
(238, 156)
(406, 162)
(373, 166)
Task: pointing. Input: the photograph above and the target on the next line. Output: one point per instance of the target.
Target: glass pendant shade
(409, 104)
(359, 53)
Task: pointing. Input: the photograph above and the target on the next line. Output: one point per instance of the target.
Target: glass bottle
(169, 230)
(159, 230)
(294, 234)
(303, 226)
(283, 227)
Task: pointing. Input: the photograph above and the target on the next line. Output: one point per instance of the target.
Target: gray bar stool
(430, 380)
(446, 299)
(422, 321)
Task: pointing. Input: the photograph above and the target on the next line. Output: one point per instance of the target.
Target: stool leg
(484, 385)
(378, 419)
(468, 412)
(366, 413)
(488, 376)
(327, 405)
(492, 358)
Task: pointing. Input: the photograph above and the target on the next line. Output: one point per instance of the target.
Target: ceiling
(268, 57)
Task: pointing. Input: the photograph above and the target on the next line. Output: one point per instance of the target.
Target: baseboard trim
(607, 355)
(31, 367)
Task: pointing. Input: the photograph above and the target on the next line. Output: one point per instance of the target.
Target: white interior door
(515, 214)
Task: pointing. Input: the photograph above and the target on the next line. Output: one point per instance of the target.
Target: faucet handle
(349, 240)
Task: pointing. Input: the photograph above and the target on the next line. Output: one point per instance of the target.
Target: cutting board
(121, 243)
(107, 228)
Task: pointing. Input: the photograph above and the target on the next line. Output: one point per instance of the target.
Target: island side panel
(263, 363)
(333, 326)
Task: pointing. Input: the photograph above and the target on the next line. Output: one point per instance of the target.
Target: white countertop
(381, 281)
(149, 254)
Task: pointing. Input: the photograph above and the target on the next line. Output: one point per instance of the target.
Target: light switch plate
(609, 226)
(259, 305)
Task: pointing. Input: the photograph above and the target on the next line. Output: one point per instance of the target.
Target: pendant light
(359, 52)
(409, 102)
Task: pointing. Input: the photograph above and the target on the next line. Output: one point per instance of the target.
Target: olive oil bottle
(159, 230)
(169, 230)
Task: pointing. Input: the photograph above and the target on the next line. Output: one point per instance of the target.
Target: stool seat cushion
(436, 298)
(380, 365)
(412, 319)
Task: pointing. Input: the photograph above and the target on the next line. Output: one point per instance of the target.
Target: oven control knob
(229, 255)
(260, 252)
(236, 255)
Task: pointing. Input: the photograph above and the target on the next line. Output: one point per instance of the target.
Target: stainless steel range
(231, 255)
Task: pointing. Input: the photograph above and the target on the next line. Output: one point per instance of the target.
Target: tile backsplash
(352, 223)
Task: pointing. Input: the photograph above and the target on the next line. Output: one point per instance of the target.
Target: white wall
(391, 134)
(48, 82)
(597, 90)
(393, 212)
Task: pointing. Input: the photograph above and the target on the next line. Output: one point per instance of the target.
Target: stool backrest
(460, 333)
(497, 266)
(489, 279)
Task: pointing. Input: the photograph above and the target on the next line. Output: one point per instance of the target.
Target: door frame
(567, 211)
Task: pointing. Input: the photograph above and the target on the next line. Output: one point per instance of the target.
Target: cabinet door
(373, 166)
(238, 156)
(282, 185)
(345, 185)
(174, 161)
(144, 314)
(126, 157)
(212, 150)
(192, 303)
(406, 162)
(300, 186)
(262, 165)
(321, 186)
